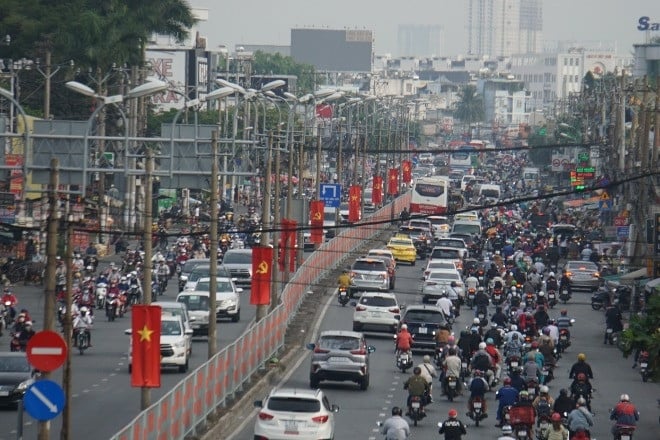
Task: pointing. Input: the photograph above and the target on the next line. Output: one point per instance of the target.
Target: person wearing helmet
(446, 305)
(83, 322)
(404, 340)
(344, 280)
(624, 414)
(613, 320)
(506, 396)
(417, 387)
(25, 335)
(452, 428)
(581, 389)
(541, 317)
(481, 300)
(428, 373)
(551, 283)
(478, 387)
(395, 427)
(9, 301)
(581, 366)
(556, 430)
(481, 360)
(496, 358)
(523, 412)
(563, 403)
(580, 419)
(543, 403)
(451, 366)
(507, 433)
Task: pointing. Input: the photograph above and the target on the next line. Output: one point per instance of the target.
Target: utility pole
(68, 333)
(622, 123)
(51, 266)
(213, 265)
(145, 392)
(656, 129)
(262, 310)
(276, 275)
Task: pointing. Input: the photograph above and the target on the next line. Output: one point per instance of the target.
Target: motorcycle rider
(482, 361)
(564, 322)
(446, 305)
(404, 340)
(428, 373)
(405, 215)
(524, 411)
(531, 370)
(551, 283)
(395, 427)
(552, 331)
(543, 403)
(10, 301)
(83, 322)
(478, 387)
(556, 430)
(496, 358)
(507, 396)
(480, 300)
(507, 432)
(163, 275)
(581, 389)
(495, 334)
(514, 347)
(417, 387)
(613, 320)
(452, 428)
(563, 403)
(580, 419)
(541, 317)
(25, 335)
(499, 318)
(581, 366)
(624, 414)
(344, 280)
(451, 367)
(471, 282)
(565, 283)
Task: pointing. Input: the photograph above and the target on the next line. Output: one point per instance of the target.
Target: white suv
(376, 311)
(295, 413)
(174, 349)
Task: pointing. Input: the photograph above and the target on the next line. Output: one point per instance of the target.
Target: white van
(491, 193)
(466, 227)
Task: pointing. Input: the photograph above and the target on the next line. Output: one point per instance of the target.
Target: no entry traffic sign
(46, 350)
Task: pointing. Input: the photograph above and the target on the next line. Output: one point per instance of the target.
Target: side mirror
(370, 348)
(128, 331)
(310, 346)
(188, 331)
(334, 408)
(258, 404)
(353, 303)
(402, 307)
(192, 318)
(239, 289)
(379, 423)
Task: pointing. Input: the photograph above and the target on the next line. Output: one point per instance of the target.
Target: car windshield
(14, 364)
(582, 266)
(441, 265)
(447, 254)
(174, 311)
(378, 301)
(198, 272)
(466, 228)
(425, 316)
(170, 328)
(237, 258)
(195, 302)
(189, 266)
(370, 266)
(205, 286)
(294, 404)
(339, 343)
(400, 242)
(447, 276)
(451, 243)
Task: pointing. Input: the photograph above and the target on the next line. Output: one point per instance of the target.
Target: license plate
(522, 433)
(625, 437)
(4, 393)
(422, 330)
(563, 338)
(339, 360)
(464, 365)
(415, 405)
(544, 426)
(531, 390)
(545, 372)
(551, 296)
(477, 405)
(290, 427)
(609, 331)
(514, 364)
(452, 384)
(643, 365)
(374, 314)
(342, 293)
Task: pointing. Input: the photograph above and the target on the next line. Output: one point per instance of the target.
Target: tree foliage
(276, 64)
(470, 107)
(643, 333)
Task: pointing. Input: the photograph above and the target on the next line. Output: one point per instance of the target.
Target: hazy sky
(269, 21)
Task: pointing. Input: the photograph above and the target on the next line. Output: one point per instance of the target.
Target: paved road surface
(360, 411)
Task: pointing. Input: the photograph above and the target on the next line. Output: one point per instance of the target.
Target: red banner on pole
(377, 193)
(406, 168)
(145, 346)
(316, 218)
(393, 181)
(293, 250)
(354, 202)
(287, 248)
(262, 259)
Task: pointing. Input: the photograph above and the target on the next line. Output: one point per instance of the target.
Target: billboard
(345, 50)
(169, 66)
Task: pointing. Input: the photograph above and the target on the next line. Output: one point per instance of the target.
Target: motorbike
(5, 320)
(623, 432)
(600, 299)
(564, 340)
(532, 387)
(521, 431)
(343, 296)
(112, 306)
(101, 292)
(548, 373)
(133, 295)
(513, 363)
(644, 369)
(465, 372)
(497, 297)
(564, 295)
(552, 298)
(439, 356)
(482, 314)
(404, 361)
(416, 409)
(15, 344)
(477, 413)
(530, 300)
(81, 340)
(451, 388)
(470, 297)
(611, 336)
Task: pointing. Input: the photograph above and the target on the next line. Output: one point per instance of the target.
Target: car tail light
(596, 275)
(320, 350)
(360, 308)
(394, 310)
(265, 416)
(361, 351)
(320, 419)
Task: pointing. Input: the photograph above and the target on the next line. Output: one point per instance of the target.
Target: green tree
(470, 107)
(276, 64)
(643, 333)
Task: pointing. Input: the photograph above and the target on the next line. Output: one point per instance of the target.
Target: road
(360, 411)
(102, 398)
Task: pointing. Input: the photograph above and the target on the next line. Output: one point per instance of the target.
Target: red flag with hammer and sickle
(262, 261)
(316, 218)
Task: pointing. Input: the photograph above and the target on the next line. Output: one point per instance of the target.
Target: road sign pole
(19, 422)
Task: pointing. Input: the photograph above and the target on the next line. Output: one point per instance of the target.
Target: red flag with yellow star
(406, 168)
(145, 346)
(354, 203)
(393, 181)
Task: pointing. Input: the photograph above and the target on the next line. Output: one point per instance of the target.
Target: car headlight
(180, 344)
(24, 385)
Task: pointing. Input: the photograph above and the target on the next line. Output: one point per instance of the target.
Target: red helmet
(452, 413)
(556, 417)
(507, 381)
(535, 344)
(581, 377)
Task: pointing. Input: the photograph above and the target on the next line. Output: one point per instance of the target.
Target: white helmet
(513, 289)
(482, 346)
(551, 275)
(624, 398)
(404, 326)
(84, 310)
(476, 321)
(544, 389)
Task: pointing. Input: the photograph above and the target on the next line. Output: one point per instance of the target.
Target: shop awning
(653, 285)
(635, 275)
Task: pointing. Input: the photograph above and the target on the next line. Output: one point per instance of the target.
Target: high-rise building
(504, 27)
(420, 40)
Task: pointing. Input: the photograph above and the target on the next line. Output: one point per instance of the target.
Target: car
(423, 321)
(368, 274)
(391, 267)
(228, 305)
(439, 281)
(16, 376)
(308, 246)
(377, 311)
(440, 224)
(179, 309)
(295, 413)
(174, 350)
(239, 264)
(583, 274)
(448, 253)
(438, 265)
(421, 237)
(467, 227)
(421, 223)
(188, 267)
(377, 252)
(454, 242)
(403, 249)
(202, 270)
(340, 355)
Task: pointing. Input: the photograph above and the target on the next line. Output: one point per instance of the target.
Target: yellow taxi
(403, 249)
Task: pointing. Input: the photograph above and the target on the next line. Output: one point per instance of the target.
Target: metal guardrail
(184, 409)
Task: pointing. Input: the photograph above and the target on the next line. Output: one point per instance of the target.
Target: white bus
(430, 195)
(461, 158)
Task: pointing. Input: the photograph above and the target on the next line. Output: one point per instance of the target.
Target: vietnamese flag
(145, 346)
(316, 218)
(377, 192)
(354, 202)
(262, 261)
(406, 168)
(393, 181)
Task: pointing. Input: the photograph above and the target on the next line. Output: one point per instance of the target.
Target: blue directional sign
(44, 400)
(331, 194)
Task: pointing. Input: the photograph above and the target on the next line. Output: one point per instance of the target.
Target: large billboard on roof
(344, 50)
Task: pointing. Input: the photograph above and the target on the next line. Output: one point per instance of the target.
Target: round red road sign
(46, 350)
(556, 163)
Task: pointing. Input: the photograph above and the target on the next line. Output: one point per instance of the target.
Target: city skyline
(271, 23)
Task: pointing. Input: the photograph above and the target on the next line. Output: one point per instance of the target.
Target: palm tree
(470, 107)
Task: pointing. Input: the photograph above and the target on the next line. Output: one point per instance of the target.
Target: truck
(531, 177)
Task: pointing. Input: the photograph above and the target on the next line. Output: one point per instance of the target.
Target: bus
(430, 195)
(461, 159)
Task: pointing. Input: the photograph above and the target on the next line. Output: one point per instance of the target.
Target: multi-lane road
(361, 410)
(102, 400)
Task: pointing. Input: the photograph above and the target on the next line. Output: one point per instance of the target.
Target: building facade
(419, 40)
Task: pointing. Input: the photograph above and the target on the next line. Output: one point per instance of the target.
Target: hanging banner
(287, 247)
(354, 202)
(262, 258)
(393, 181)
(377, 193)
(293, 250)
(316, 218)
(145, 346)
(406, 168)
